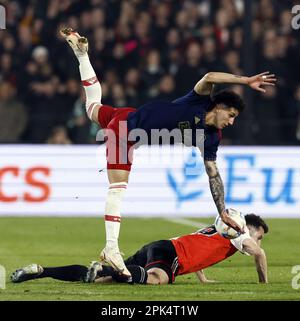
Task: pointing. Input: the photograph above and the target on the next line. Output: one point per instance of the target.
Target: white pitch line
(185, 221)
(228, 292)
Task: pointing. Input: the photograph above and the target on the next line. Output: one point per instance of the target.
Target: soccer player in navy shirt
(197, 110)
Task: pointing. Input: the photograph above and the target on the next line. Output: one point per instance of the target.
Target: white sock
(90, 84)
(113, 214)
(85, 67)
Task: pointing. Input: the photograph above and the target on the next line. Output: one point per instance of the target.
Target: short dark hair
(229, 99)
(256, 221)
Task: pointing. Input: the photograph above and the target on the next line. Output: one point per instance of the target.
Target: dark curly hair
(229, 99)
(256, 221)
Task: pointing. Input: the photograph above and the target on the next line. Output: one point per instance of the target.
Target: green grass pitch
(64, 241)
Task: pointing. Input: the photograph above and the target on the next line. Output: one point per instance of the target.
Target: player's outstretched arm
(217, 192)
(202, 278)
(260, 259)
(204, 86)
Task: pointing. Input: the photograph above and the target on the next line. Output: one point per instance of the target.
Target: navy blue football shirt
(187, 112)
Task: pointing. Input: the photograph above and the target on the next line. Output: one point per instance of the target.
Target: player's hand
(263, 79)
(210, 281)
(230, 222)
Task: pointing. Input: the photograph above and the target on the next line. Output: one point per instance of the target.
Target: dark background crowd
(143, 50)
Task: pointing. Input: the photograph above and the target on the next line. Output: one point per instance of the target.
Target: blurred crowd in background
(142, 50)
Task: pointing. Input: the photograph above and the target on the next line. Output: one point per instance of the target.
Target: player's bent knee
(92, 110)
(157, 276)
(117, 176)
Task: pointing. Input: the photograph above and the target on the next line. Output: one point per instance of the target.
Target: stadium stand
(142, 50)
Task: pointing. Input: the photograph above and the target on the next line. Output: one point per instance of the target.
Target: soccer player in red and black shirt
(161, 261)
(196, 110)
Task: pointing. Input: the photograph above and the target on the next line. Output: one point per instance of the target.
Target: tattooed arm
(216, 185)
(217, 192)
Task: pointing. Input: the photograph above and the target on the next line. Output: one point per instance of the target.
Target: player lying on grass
(198, 110)
(161, 261)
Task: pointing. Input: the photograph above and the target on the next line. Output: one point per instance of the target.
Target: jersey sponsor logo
(197, 120)
(184, 125)
(208, 231)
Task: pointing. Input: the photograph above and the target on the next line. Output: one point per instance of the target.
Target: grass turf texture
(65, 241)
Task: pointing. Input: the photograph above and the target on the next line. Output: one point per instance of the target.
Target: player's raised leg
(118, 179)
